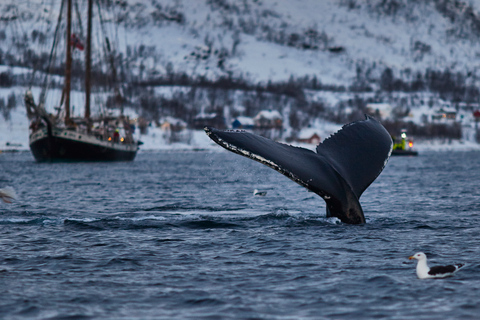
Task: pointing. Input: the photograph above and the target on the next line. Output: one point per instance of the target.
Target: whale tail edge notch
(340, 170)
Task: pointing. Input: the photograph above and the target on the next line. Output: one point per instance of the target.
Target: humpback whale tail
(344, 165)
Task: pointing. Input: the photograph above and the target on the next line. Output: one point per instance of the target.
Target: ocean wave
(200, 220)
(23, 221)
(182, 207)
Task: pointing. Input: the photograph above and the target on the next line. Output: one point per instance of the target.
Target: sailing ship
(62, 137)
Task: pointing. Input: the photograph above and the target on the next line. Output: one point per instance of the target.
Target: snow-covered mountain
(333, 40)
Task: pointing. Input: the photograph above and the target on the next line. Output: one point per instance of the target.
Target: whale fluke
(344, 165)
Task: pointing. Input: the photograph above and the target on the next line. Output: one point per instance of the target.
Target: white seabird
(425, 272)
(259, 193)
(8, 194)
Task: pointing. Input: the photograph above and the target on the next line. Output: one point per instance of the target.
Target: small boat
(403, 146)
(399, 152)
(63, 137)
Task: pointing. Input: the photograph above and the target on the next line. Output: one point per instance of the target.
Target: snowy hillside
(272, 40)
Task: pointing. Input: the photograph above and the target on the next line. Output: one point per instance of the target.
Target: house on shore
(241, 122)
(172, 124)
(268, 119)
(445, 114)
(214, 119)
(309, 135)
(269, 124)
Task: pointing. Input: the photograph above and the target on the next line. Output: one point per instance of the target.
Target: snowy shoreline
(154, 142)
(14, 132)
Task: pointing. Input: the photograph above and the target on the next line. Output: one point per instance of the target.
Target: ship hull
(66, 146)
(404, 153)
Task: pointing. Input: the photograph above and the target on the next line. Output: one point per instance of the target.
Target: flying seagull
(340, 170)
(425, 272)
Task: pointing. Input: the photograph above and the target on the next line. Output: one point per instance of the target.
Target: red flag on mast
(76, 43)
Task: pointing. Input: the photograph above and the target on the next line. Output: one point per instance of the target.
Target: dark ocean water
(181, 236)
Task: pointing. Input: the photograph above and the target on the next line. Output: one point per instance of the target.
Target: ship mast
(68, 67)
(88, 61)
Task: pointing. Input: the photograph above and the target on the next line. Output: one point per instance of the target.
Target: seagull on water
(259, 193)
(7, 194)
(424, 272)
